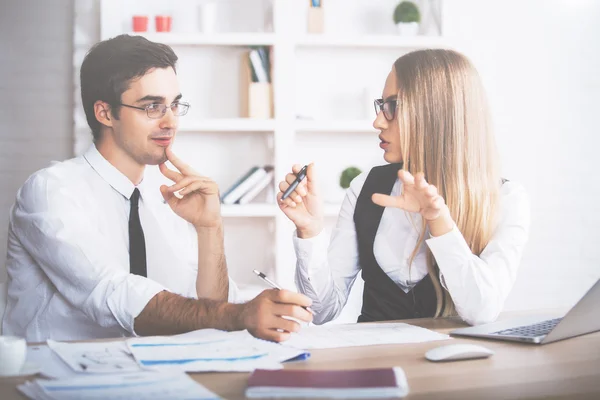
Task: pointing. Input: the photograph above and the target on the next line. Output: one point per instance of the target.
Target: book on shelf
(341, 384)
(260, 185)
(246, 187)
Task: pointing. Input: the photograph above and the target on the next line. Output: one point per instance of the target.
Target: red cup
(140, 23)
(163, 23)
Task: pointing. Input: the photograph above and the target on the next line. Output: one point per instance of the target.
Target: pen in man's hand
(301, 175)
(276, 286)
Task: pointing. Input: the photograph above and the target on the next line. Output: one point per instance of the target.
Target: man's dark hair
(109, 67)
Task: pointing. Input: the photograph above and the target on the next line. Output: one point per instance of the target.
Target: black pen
(301, 175)
(276, 286)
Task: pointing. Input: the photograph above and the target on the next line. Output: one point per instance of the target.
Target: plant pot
(408, 28)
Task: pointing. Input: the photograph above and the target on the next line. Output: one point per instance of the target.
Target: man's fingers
(181, 184)
(274, 336)
(202, 186)
(177, 163)
(287, 325)
(169, 197)
(289, 297)
(385, 200)
(293, 311)
(169, 173)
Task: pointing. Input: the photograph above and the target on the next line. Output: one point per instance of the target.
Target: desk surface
(566, 369)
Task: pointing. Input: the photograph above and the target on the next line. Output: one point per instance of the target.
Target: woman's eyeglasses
(156, 111)
(388, 107)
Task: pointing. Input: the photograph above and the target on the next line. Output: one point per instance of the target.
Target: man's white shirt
(68, 252)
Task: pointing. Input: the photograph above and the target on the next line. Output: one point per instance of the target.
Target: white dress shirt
(68, 252)
(478, 285)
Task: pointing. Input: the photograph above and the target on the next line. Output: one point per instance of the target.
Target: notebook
(335, 384)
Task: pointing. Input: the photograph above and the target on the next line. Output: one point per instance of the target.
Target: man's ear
(103, 113)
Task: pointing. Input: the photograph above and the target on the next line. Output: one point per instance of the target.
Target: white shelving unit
(371, 41)
(259, 234)
(228, 125)
(217, 39)
(350, 126)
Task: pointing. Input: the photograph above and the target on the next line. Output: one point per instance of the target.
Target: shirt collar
(109, 172)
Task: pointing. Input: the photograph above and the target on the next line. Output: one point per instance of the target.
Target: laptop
(581, 319)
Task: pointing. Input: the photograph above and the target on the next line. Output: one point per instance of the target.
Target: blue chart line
(190, 360)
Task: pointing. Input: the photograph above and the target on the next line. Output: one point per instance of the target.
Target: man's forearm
(168, 313)
(212, 281)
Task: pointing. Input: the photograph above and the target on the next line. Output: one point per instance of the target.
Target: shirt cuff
(310, 252)
(128, 302)
(449, 249)
(233, 295)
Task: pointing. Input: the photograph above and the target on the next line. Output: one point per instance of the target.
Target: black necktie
(137, 245)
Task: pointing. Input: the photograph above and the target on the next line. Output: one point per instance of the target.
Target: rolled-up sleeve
(60, 234)
(479, 285)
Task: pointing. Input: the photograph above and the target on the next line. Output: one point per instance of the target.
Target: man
(97, 250)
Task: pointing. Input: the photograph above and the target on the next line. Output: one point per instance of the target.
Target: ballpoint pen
(301, 175)
(276, 286)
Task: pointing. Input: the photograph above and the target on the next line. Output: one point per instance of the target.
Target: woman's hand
(304, 206)
(418, 196)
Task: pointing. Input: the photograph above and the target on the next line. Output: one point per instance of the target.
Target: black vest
(383, 300)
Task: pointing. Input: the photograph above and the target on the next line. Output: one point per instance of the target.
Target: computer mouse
(460, 351)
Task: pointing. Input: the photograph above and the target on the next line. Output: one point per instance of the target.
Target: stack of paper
(350, 335)
(145, 385)
(102, 357)
(210, 350)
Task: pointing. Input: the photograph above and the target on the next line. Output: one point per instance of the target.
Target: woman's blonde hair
(445, 132)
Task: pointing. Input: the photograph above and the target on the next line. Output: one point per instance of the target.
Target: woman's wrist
(442, 224)
(309, 232)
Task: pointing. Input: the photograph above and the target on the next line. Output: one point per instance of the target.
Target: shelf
(218, 39)
(348, 126)
(372, 41)
(249, 210)
(228, 125)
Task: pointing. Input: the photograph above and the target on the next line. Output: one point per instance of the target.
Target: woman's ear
(102, 112)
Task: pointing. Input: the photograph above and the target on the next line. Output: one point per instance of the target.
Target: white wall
(35, 94)
(538, 61)
(540, 64)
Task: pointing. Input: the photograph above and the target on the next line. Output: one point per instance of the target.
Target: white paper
(145, 385)
(350, 335)
(51, 365)
(210, 350)
(97, 357)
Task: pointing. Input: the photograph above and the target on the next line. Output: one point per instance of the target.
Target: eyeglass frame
(162, 107)
(379, 105)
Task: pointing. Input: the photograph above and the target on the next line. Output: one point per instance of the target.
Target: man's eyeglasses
(388, 107)
(156, 111)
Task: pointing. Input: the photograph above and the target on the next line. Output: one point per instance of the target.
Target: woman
(437, 231)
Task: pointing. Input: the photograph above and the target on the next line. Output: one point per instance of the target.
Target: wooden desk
(567, 369)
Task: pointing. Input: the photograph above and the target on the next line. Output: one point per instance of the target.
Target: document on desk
(96, 357)
(142, 386)
(351, 335)
(50, 364)
(209, 350)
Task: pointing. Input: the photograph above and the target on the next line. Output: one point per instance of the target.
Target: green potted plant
(407, 18)
(347, 175)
